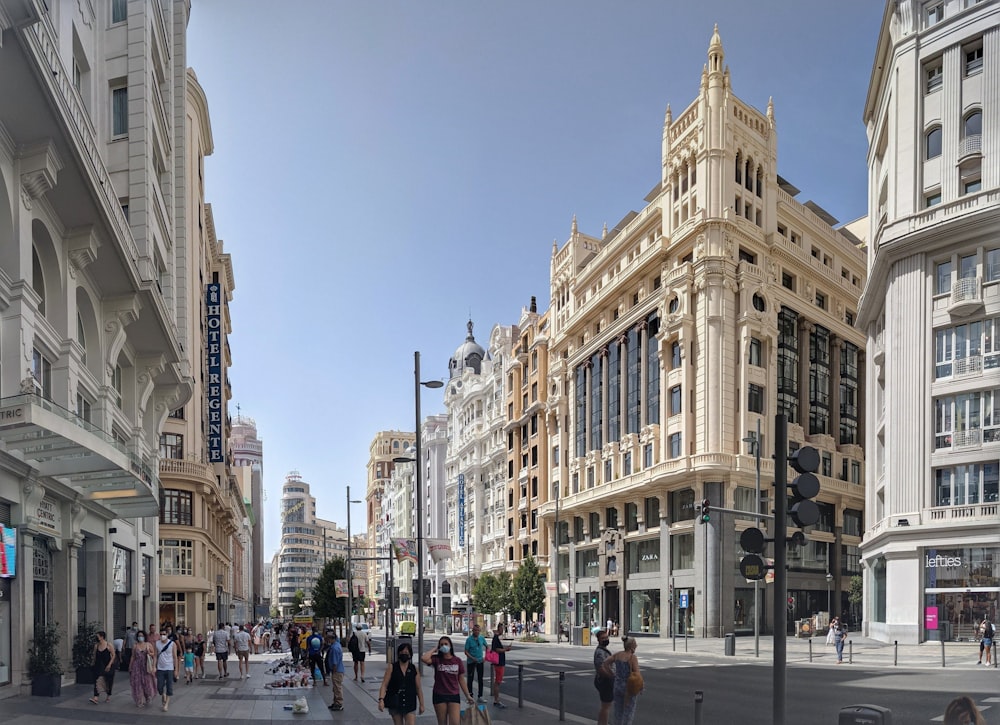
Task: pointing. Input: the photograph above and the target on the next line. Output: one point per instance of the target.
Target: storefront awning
(61, 445)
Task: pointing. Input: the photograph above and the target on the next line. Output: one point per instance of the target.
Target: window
(41, 370)
(972, 186)
(675, 445)
(608, 472)
(759, 304)
(932, 199)
(119, 11)
(631, 517)
(747, 257)
(755, 399)
(611, 518)
(788, 364)
(932, 143)
(974, 59)
(38, 280)
(171, 445)
(821, 300)
(992, 265)
(682, 551)
(675, 355)
(652, 371)
(675, 400)
(933, 76)
(933, 13)
(647, 455)
(83, 408)
(627, 464)
(119, 111)
(176, 508)
(755, 358)
(177, 557)
(788, 281)
(651, 513)
(594, 525)
(849, 318)
(943, 285)
(974, 124)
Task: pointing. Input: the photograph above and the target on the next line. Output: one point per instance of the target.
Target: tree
(856, 593)
(505, 592)
(297, 600)
(484, 594)
(326, 603)
(528, 592)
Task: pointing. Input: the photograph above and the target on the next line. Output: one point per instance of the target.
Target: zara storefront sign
(213, 321)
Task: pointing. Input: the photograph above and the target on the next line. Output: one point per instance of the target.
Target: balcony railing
(970, 145)
(966, 295)
(966, 366)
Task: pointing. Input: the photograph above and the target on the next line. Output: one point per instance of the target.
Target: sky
(383, 169)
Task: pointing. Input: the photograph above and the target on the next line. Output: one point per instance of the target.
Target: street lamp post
(829, 580)
(419, 495)
(755, 447)
(350, 584)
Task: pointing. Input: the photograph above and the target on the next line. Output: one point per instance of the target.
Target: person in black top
(498, 668)
(401, 690)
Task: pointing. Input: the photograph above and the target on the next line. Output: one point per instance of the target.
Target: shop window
(682, 551)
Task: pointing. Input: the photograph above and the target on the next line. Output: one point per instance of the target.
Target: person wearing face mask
(401, 689)
(168, 668)
(622, 666)
(142, 671)
(449, 681)
(605, 685)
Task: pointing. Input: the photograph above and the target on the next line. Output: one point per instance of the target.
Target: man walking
(605, 685)
(314, 647)
(242, 642)
(220, 638)
(475, 652)
(168, 668)
(335, 666)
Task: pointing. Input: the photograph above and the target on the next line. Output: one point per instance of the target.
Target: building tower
(720, 303)
(931, 310)
(385, 446)
(248, 452)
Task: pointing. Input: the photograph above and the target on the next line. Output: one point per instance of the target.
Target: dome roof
(470, 354)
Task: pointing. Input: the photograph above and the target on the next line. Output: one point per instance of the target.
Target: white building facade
(931, 309)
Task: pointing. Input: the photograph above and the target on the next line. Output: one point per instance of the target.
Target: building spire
(574, 229)
(715, 52)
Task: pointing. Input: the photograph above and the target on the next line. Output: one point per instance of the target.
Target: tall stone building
(248, 452)
(931, 310)
(385, 446)
(720, 303)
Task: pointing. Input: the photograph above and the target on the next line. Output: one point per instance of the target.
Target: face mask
(404, 657)
(140, 638)
(444, 649)
(163, 638)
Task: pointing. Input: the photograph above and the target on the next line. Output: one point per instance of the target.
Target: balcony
(971, 145)
(59, 443)
(986, 512)
(965, 367)
(966, 296)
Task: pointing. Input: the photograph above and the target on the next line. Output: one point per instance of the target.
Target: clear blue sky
(384, 168)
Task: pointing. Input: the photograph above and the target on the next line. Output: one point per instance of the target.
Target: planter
(46, 685)
(85, 676)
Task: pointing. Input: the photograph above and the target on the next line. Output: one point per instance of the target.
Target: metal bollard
(810, 649)
(895, 652)
(699, 696)
(493, 681)
(520, 685)
(850, 651)
(942, 650)
(562, 697)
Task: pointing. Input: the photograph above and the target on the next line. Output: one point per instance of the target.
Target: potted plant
(44, 667)
(83, 652)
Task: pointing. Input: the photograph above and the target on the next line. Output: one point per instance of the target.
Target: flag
(340, 587)
(438, 549)
(406, 549)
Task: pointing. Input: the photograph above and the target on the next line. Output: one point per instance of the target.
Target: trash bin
(865, 715)
(586, 636)
(390, 649)
(577, 635)
(730, 645)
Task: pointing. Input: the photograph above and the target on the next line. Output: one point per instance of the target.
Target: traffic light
(805, 486)
(706, 511)
(593, 600)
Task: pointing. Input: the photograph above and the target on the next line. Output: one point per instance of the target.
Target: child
(189, 664)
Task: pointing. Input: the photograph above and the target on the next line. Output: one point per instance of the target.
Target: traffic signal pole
(780, 575)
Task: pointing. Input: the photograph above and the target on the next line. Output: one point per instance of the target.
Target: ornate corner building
(931, 309)
(385, 446)
(670, 337)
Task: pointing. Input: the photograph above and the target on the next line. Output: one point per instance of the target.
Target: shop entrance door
(611, 608)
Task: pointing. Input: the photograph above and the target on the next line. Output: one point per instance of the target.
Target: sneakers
(336, 707)
(979, 663)
(481, 701)
(500, 705)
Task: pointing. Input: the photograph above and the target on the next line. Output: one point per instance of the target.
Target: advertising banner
(8, 552)
(213, 390)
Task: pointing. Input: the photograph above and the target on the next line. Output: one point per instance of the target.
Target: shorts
(189, 670)
(438, 698)
(222, 656)
(358, 656)
(987, 641)
(243, 654)
(605, 688)
(498, 673)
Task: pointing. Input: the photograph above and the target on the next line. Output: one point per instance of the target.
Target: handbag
(476, 715)
(493, 657)
(150, 663)
(634, 684)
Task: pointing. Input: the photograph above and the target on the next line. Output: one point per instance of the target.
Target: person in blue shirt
(314, 647)
(335, 666)
(475, 651)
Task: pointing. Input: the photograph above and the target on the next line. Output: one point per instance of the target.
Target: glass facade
(644, 556)
(961, 587)
(644, 611)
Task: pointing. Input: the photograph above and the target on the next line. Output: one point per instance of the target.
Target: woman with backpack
(401, 690)
(986, 632)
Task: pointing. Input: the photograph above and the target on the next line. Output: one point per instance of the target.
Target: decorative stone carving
(40, 165)
(82, 245)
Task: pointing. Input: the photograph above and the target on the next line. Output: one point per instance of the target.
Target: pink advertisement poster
(930, 617)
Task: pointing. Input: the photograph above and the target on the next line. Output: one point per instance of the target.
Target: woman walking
(142, 672)
(449, 681)
(401, 689)
(624, 668)
(105, 662)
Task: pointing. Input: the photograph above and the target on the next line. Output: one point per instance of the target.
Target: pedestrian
(831, 633)
(198, 647)
(368, 639)
(623, 667)
(448, 682)
(963, 711)
(500, 665)
(105, 660)
(189, 660)
(986, 632)
(130, 634)
(475, 652)
(401, 690)
(242, 645)
(841, 637)
(335, 666)
(220, 638)
(168, 668)
(357, 654)
(142, 671)
(605, 685)
(119, 645)
(314, 647)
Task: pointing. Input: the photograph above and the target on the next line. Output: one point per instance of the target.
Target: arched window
(37, 280)
(974, 124)
(81, 336)
(932, 146)
(739, 168)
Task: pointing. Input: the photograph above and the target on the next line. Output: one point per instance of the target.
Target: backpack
(988, 631)
(315, 643)
(352, 643)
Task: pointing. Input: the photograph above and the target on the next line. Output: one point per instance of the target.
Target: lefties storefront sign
(213, 324)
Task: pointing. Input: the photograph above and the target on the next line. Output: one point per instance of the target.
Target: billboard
(213, 339)
(8, 552)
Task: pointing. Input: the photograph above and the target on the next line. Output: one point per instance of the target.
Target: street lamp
(350, 585)
(829, 580)
(754, 443)
(419, 494)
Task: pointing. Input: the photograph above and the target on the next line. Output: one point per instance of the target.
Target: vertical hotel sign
(213, 321)
(461, 509)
